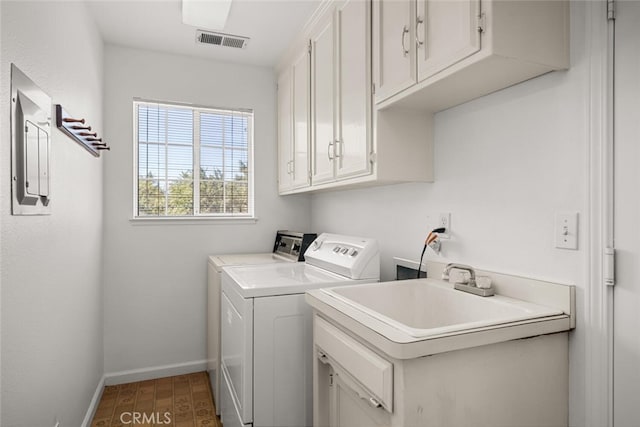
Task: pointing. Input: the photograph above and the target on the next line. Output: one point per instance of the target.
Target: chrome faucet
(469, 286)
(452, 265)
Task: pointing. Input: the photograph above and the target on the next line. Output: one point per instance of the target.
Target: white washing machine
(267, 337)
(288, 247)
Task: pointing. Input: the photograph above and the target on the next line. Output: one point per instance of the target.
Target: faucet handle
(452, 265)
(445, 272)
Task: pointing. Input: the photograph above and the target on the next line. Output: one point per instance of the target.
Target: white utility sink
(428, 308)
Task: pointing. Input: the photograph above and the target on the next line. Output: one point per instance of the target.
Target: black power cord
(435, 230)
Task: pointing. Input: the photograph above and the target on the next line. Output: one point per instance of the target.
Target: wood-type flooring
(179, 401)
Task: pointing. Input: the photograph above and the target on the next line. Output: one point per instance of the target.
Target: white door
(394, 58)
(285, 127)
(301, 117)
(354, 89)
(627, 214)
(447, 32)
(323, 93)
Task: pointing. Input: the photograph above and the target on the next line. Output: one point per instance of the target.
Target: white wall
(504, 165)
(52, 355)
(155, 275)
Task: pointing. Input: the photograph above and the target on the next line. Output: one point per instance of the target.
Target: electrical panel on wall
(30, 146)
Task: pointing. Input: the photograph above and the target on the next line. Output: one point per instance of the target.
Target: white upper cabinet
(353, 101)
(341, 93)
(323, 101)
(343, 150)
(394, 46)
(415, 39)
(414, 58)
(294, 124)
(435, 54)
(301, 120)
(446, 32)
(285, 128)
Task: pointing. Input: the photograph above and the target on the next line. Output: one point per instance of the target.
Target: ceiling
(157, 25)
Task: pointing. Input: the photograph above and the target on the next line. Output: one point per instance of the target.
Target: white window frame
(196, 216)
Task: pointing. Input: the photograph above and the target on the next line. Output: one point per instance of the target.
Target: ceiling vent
(221, 39)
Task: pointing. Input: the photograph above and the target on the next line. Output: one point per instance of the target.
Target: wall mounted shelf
(80, 132)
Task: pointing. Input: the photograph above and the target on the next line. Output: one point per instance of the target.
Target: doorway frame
(599, 297)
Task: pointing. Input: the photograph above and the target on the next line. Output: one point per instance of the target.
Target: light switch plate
(566, 230)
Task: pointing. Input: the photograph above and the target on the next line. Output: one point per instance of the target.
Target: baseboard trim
(97, 395)
(154, 372)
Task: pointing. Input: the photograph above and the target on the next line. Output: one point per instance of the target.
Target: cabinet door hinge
(481, 22)
(309, 46)
(609, 266)
(373, 88)
(330, 380)
(372, 157)
(611, 10)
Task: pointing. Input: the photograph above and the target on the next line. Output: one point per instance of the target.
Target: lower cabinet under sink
(522, 382)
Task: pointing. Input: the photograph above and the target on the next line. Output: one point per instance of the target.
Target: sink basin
(425, 308)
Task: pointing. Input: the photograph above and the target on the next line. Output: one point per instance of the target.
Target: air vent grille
(232, 42)
(220, 39)
(210, 38)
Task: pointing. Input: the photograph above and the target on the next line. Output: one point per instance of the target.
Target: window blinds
(193, 161)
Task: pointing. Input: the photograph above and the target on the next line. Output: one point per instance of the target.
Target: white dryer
(267, 333)
(289, 247)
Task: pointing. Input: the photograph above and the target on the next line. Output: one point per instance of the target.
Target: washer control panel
(345, 250)
(354, 257)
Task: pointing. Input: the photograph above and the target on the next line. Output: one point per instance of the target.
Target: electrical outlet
(444, 220)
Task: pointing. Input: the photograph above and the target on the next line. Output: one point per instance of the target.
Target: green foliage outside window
(216, 194)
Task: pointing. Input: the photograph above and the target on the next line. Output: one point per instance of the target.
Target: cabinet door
(394, 59)
(347, 408)
(301, 119)
(354, 89)
(447, 33)
(323, 94)
(285, 128)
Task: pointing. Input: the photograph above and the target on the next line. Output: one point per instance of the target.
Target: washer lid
(278, 279)
(225, 260)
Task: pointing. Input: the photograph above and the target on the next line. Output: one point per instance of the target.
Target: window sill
(192, 220)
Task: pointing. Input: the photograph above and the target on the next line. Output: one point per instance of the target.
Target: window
(192, 161)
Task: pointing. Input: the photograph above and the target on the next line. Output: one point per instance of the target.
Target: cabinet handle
(405, 31)
(419, 21)
(290, 167)
(338, 148)
(329, 150)
(373, 402)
